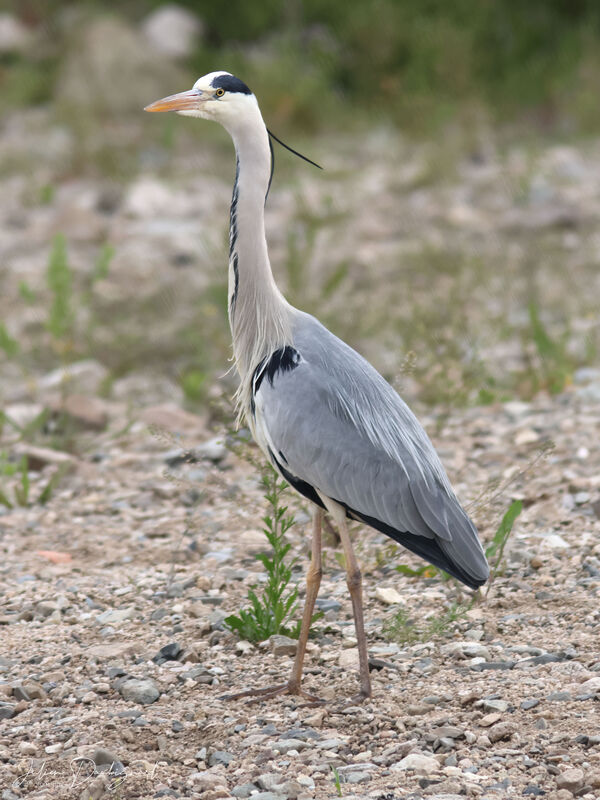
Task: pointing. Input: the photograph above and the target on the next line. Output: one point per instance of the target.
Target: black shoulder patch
(230, 83)
(283, 360)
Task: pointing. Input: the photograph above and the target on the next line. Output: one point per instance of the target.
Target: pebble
(220, 757)
(243, 790)
(389, 596)
(139, 691)
(115, 616)
(495, 705)
(531, 702)
(501, 730)
(418, 762)
(169, 652)
(570, 779)
(282, 645)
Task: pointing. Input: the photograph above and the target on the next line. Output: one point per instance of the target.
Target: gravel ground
(113, 654)
(153, 551)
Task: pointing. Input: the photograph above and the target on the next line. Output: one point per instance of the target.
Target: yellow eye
(220, 92)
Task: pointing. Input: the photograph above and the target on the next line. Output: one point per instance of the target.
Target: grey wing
(343, 432)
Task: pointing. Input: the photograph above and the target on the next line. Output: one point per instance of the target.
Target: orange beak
(184, 101)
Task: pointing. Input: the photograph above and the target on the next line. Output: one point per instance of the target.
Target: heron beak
(184, 101)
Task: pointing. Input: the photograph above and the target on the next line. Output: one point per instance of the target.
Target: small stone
(557, 697)
(212, 450)
(589, 686)
(139, 691)
(54, 748)
(283, 645)
(115, 616)
(170, 417)
(349, 659)
(89, 697)
(95, 789)
(592, 778)
(40, 457)
(357, 777)
(243, 790)
(388, 596)
(330, 744)
(570, 779)
(490, 719)
(285, 745)
(102, 756)
(418, 762)
(27, 748)
(84, 411)
(501, 730)
(252, 542)
(495, 705)
(466, 649)
(108, 652)
(325, 604)
(169, 652)
(531, 702)
(533, 790)
(220, 757)
(7, 710)
(34, 690)
(526, 436)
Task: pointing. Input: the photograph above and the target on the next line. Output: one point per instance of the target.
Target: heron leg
(354, 580)
(313, 581)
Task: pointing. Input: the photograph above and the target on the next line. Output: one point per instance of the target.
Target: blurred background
(453, 237)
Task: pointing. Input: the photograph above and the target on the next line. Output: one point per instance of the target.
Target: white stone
(172, 30)
(418, 762)
(14, 36)
(348, 659)
(388, 596)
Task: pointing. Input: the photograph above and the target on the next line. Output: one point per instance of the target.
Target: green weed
(8, 345)
(59, 277)
(555, 365)
(404, 630)
(495, 550)
(336, 780)
(21, 488)
(271, 613)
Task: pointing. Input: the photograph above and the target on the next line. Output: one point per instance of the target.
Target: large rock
(14, 36)
(139, 691)
(172, 31)
(109, 69)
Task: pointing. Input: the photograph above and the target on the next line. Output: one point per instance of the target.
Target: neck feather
(259, 316)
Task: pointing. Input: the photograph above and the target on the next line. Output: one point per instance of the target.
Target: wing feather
(344, 431)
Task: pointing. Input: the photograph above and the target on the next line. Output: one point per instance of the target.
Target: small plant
(496, 547)
(268, 614)
(336, 780)
(59, 277)
(8, 345)
(404, 630)
(21, 489)
(555, 365)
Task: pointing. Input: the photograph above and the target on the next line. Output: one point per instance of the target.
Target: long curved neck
(259, 315)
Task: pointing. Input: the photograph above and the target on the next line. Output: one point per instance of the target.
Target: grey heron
(329, 423)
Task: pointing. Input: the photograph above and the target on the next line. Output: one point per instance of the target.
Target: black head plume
(291, 149)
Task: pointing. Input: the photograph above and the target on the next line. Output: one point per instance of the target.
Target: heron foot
(256, 695)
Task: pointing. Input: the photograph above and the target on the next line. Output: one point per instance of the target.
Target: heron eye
(220, 92)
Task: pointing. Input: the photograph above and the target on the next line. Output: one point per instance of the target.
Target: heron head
(218, 96)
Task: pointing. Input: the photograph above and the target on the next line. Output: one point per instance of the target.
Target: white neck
(259, 315)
